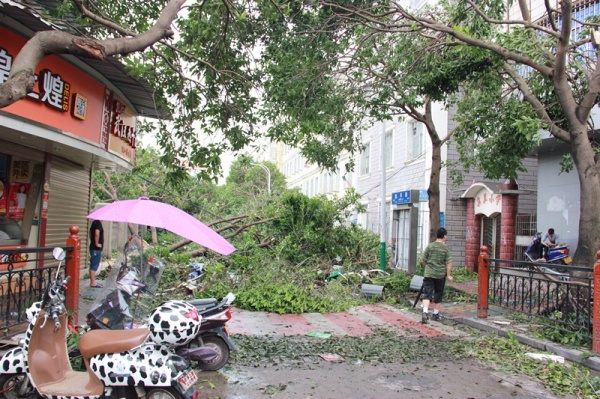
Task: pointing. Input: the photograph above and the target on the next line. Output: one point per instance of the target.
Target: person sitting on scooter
(550, 240)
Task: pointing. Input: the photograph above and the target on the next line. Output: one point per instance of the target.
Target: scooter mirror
(59, 253)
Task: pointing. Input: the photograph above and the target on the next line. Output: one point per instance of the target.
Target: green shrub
(462, 274)
(396, 284)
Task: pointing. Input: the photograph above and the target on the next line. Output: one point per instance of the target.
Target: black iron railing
(23, 280)
(543, 290)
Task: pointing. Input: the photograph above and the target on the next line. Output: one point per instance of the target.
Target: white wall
(558, 199)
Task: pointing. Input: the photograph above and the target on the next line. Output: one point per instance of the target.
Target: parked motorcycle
(214, 333)
(119, 363)
(555, 255)
(124, 300)
(560, 254)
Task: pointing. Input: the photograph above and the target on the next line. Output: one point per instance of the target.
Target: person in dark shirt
(96, 246)
(550, 240)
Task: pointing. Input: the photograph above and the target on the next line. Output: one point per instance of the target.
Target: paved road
(325, 380)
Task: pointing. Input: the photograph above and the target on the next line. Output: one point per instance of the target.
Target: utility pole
(382, 211)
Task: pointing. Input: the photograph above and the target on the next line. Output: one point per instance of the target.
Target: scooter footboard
(13, 361)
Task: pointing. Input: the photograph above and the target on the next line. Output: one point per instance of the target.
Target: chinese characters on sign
(5, 65)
(401, 197)
(409, 197)
(106, 118)
(122, 132)
(20, 176)
(80, 106)
(120, 129)
(20, 170)
(53, 90)
(488, 203)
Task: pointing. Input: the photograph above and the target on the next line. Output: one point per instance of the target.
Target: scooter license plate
(568, 260)
(188, 379)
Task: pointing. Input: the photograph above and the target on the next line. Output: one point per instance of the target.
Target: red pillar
(73, 268)
(473, 237)
(510, 205)
(483, 284)
(596, 308)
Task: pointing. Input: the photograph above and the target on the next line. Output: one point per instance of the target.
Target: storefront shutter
(68, 204)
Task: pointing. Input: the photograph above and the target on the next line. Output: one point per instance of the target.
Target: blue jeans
(95, 258)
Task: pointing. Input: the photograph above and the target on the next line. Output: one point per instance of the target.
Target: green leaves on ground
(382, 347)
(504, 354)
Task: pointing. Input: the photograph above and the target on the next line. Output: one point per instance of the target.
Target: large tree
(547, 64)
(203, 59)
(328, 73)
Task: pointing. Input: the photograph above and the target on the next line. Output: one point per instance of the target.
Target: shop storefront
(74, 122)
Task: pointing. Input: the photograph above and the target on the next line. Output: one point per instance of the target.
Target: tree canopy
(223, 68)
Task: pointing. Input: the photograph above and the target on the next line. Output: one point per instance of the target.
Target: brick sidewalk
(358, 322)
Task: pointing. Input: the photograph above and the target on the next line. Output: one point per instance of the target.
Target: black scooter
(214, 333)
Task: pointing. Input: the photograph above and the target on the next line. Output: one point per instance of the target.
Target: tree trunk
(589, 192)
(433, 191)
(434, 188)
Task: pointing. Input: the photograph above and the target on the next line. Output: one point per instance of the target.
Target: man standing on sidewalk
(438, 265)
(96, 246)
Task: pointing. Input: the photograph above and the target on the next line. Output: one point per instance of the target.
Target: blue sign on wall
(401, 197)
(442, 219)
(409, 196)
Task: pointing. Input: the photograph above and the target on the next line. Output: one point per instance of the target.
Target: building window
(415, 139)
(389, 144)
(365, 159)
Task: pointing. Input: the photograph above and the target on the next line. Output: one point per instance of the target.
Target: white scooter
(136, 363)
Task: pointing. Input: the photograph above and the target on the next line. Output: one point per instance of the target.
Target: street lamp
(268, 175)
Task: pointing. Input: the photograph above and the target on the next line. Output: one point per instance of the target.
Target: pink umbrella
(158, 214)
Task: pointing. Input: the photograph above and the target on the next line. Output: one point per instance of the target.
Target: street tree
(330, 74)
(197, 55)
(550, 63)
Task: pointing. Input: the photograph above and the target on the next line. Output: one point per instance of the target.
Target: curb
(573, 355)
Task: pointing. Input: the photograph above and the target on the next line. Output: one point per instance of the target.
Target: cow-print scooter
(119, 363)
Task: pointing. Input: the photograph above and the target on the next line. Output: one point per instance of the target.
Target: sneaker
(425, 318)
(437, 317)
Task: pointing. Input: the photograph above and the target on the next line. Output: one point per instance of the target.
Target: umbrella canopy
(158, 214)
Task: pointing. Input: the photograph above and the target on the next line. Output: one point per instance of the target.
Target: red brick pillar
(508, 219)
(596, 308)
(483, 284)
(73, 268)
(473, 236)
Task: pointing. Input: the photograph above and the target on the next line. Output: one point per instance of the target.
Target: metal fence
(23, 280)
(543, 290)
